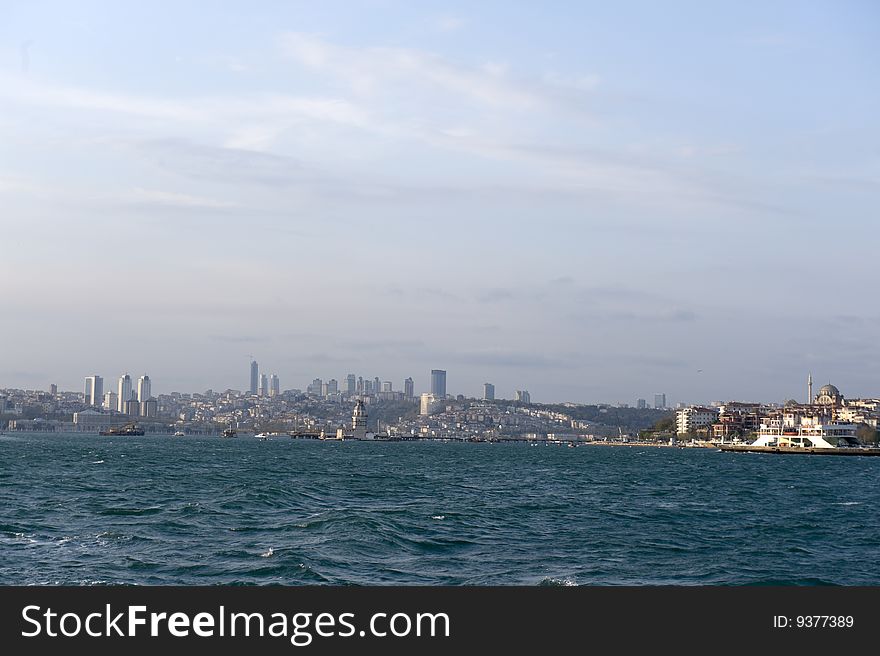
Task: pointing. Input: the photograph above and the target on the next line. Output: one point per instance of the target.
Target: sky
(592, 201)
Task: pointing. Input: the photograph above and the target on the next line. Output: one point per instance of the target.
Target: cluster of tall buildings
(127, 399)
(376, 388)
(263, 385)
(659, 402)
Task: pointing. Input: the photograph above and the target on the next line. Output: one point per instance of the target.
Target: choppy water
(161, 510)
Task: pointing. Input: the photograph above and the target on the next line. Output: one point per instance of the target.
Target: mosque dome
(829, 390)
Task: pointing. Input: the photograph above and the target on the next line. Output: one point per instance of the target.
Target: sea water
(85, 509)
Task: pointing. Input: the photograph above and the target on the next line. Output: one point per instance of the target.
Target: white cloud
(367, 70)
(448, 23)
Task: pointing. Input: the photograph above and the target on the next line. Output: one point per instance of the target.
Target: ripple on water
(206, 511)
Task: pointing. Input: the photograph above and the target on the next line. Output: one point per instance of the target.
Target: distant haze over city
(594, 202)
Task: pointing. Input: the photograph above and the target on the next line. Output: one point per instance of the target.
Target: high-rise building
(123, 393)
(144, 388)
(368, 387)
(429, 405)
(489, 391)
(133, 408)
(377, 385)
(149, 408)
(255, 377)
(360, 385)
(274, 385)
(660, 401)
(264, 385)
(111, 401)
(641, 404)
(325, 389)
(386, 386)
(315, 387)
(350, 384)
(94, 390)
(523, 396)
(332, 386)
(53, 390)
(409, 388)
(438, 383)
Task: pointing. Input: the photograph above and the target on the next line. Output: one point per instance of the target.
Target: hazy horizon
(594, 203)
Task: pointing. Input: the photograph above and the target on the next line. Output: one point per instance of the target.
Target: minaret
(809, 389)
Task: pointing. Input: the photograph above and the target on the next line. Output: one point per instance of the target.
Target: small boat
(229, 432)
(179, 434)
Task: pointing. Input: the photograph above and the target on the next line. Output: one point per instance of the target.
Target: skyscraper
(523, 396)
(143, 388)
(350, 383)
(274, 385)
(53, 390)
(264, 385)
(332, 386)
(386, 386)
(641, 404)
(124, 393)
(377, 385)
(660, 401)
(489, 391)
(438, 383)
(255, 377)
(94, 390)
(409, 388)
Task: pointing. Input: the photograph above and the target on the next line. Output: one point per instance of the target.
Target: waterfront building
(660, 401)
(408, 388)
(92, 421)
(123, 393)
(736, 419)
(690, 421)
(488, 391)
(144, 388)
(255, 377)
(438, 383)
(94, 392)
(274, 385)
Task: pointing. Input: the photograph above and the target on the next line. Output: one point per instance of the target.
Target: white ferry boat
(807, 434)
(814, 432)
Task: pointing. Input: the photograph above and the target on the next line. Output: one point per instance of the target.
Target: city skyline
(353, 386)
(513, 194)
